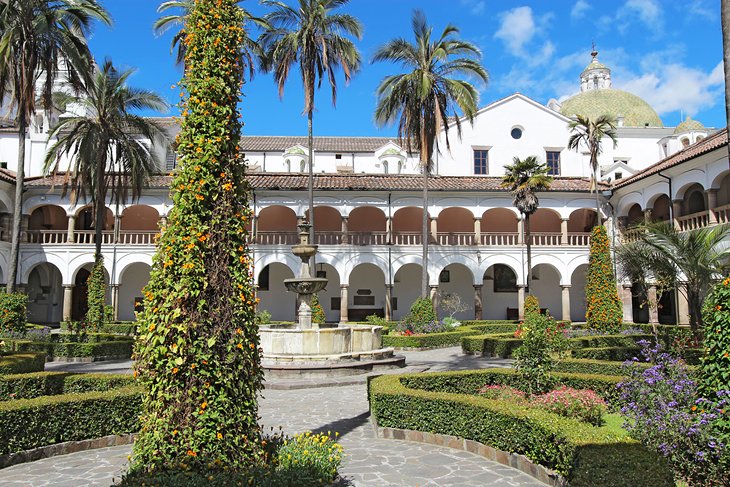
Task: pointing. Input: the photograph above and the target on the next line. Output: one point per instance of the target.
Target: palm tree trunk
(528, 242)
(725, 16)
(598, 204)
(424, 233)
(18, 209)
(310, 188)
(99, 206)
(694, 303)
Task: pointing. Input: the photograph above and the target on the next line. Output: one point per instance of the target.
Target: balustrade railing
(367, 238)
(500, 239)
(407, 238)
(137, 238)
(455, 238)
(693, 221)
(579, 239)
(46, 236)
(277, 238)
(328, 238)
(723, 214)
(87, 237)
(546, 239)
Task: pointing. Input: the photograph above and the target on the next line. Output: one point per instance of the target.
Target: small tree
(95, 297)
(603, 306)
(318, 315)
(716, 362)
(532, 306)
(451, 303)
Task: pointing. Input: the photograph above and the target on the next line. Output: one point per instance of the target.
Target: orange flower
(204, 405)
(174, 370)
(191, 453)
(219, 435)
(152, 327)
(240, 345)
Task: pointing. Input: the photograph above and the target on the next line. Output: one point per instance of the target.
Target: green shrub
(313, 459)
(318, 315)
(32, 423)
(32, 385)
(22, 363)
(491, 345)
(430, 340)
(532, 306)
(584, 454)
(607, 353)
(96, 297)
(263, 317)
(13, 313)
(491, 328)
(376, 320)
(421, 314)
(118, 348)
(603, 306)
(607, 341)
(716, 320)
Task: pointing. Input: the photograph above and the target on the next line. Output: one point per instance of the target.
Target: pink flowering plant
(581, 404)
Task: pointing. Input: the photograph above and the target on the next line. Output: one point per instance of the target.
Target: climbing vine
(716, 319)
(603, 306)
(95, 297)
(197, 352)
(318, 315)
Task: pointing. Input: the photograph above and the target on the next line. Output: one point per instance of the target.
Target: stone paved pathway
(369, 461)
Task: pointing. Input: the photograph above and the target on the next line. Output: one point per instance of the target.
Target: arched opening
(499, 293)
(694, 200)
(499, 227)
(455, 227)
(635, 215)
(139, 218)
(641, 304)
(407, 226)
(456, 289)
(48, 224)
(723, 192)
(545, 227)
(546, 286)
(273, 295)
(366, 292)
(80, 304)
(45, 294)
(367, 226)
(582, 221)
(406, 289)
(134, 278)
(276, 225)
(329, 298)
(327, 225)
(85, 220)
(578, 293)
(661, 209)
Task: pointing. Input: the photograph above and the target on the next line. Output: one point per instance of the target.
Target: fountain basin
(306, 285)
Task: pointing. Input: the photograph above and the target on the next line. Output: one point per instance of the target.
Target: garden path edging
(64, 448)
(519, 462)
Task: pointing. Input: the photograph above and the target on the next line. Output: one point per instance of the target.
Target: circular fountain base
(316, 352)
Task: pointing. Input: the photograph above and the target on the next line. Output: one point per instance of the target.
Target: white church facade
(368, 212)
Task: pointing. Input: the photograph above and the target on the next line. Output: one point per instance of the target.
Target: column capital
(477, 218)
(565, 219)
(711, 190)
(565, 286)
(114, 286)
(478, 286)
(344, 286)
(389, 286)
(627, 286)
(66, 286)
(345, 217)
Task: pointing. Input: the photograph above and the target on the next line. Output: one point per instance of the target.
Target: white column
(434, 230)
(521, 302)
(389, 230)
(477, 231)
(520, 231)
(566, 301)
(388, 302)
(68, 290)
(478, 306)
(676, 210)
(343, 303)
(653, 302)
(117, 227)
(627, 301)
(682, 306)
(711, 195)
(115, 301)
(70, 232)
(435, 298)
(344, 231)
(564, 231)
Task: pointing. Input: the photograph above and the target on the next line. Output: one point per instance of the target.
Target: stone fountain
(308, 349)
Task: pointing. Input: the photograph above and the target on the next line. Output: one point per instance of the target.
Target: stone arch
(436, 266)
(577, 292)
(366, 291)
(363, 258)
(457, 279)
(85, 218)
(48, 217)
(555, 263)
(545, 220)
(509, 260)
(38, 258)
(582, 220)
(45, 293)
(140, 218)
(628, 201)
(125, 261)
(272, 293)
(545, 284)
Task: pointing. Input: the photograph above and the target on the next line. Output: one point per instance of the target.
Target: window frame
(479, 150)
(552, 171)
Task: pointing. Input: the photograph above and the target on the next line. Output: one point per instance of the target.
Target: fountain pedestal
(304, 350)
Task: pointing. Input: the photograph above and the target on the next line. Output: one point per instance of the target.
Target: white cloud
(648, 12)
(516, 29)
(476, 7)
(676, 87)
(579, 10)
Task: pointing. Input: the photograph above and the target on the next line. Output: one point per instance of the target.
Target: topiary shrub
(716, 362)
(318, 315)
(421, 313)
(532, 306)
(603, 306)
(13, 313)
(96, 297)
(197, 350)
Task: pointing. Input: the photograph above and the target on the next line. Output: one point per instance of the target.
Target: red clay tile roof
(708, 144)
(7, 175)
(361, 182)
(255, 143)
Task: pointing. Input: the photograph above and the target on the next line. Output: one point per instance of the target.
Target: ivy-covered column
(603, 307)
(197, 352)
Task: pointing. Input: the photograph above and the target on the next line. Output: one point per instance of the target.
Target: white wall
(277, 300)
(134, 278)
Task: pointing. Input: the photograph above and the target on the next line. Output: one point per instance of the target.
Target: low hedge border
(116, 328)
(585, 455)
(29, 386)
(64, 448)
(116, 349)
(22, 363)
(26, 424)
(430, 340)
(491, 345)
(599, 341)
(618, 354)
(598, 367)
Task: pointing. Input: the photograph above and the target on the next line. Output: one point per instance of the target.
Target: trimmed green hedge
(494, 328)
(428, 340)
(116, 327)
(619, 354)
(22, 363)
(491, 345)
(599, 341)
(29, 386)
(117, 348)
(599, 367)
(32, 423)
(585, 455)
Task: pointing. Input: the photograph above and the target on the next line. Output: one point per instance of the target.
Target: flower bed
(584, 454)
(29, 386)
(20, 363)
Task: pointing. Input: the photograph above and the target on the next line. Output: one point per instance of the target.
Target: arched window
(288, 165)
(385, 167)
(400, 167)
(685, 142)
(303, 166)
(696, 202)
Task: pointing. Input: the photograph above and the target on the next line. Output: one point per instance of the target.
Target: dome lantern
(595, 76)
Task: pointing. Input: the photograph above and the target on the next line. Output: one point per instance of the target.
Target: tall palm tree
(37, 37)
(424, 98)
(250, 52)
(107, 145)
(524, 178)
(590, 133)
(316, 39)
(688, 261)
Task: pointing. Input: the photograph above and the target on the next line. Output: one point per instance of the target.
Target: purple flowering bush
(663, 410)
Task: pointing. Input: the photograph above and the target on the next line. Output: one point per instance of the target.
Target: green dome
(688, 126)
(594, 65)
(594, 103)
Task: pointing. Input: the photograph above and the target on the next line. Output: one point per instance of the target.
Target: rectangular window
(170, 161)
(552, 158)
(481, 161)
(338, 156)
(335, 304)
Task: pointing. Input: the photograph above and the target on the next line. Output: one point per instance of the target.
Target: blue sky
(669, 52)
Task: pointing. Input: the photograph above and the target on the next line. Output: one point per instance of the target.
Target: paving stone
(369, 461)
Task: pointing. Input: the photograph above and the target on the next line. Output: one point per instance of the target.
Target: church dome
(607, 101)
(689, 125)
(597, 98)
